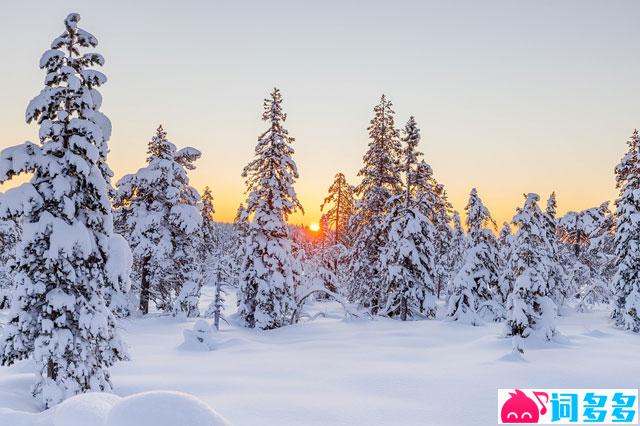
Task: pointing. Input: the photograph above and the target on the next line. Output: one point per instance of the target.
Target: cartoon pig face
(519, 409)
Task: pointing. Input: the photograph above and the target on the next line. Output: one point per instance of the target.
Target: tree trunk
(145, 287)
(51, 370)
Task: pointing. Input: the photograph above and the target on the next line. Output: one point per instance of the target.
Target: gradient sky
(511, 96)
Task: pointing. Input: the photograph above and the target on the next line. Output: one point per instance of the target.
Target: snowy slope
(363, 372)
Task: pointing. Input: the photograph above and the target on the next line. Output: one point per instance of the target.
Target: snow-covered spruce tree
(63, 268)
(215, 255)
(267, 279)
(476, 286)
(381, 181)
(159, 215)
(209, 264)
(505, 240)
(530, 309)
(438, 209)
(557, 273)
(240, 228)
(208, 235)
(341, 205)
(455, 256)
(626, 282)
(599, 257)
(9, 237)
(407, 258)
(587, 251)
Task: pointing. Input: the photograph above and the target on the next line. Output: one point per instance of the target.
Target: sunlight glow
(314, 227)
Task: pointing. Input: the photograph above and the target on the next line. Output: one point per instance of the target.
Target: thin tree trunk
(51, 370)
(145, 287)
(216, 317)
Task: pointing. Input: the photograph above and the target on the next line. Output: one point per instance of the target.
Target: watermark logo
(568, 406)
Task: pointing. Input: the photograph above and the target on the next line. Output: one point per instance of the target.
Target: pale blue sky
(511, 96)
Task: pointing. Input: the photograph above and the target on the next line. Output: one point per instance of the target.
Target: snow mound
(157, 408)
(85, 409)
(200, 338)
(513, 356)
(163, 408)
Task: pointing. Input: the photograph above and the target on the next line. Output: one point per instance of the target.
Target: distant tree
(208, 235)
(381, 181)
(505, 241)
(268, 277)
(530, 308)
(590, 260)
(64, 267)
(215, 262)
(158, 214)
(626, 282)
(557, 271)
(457, 247)
(408, 256)
(476, 285)
(341, 202)
(438, 209)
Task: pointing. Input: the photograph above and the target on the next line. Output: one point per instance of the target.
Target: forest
(83, 254)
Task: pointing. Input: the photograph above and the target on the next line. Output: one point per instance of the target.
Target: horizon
(552, 117)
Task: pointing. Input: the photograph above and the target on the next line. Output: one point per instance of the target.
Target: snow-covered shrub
(200, 338)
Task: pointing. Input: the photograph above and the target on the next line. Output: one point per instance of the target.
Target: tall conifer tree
(268, 276)
(64, 264)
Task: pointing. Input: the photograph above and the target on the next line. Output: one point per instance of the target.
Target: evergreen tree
(408, 256)
(381, 181)
(63, 265)
(158, 213)
(438, 209)
(530, 308)
(477, 282)
(268, 277)
(240, 228)
(457, 247)
(587, 250)
(341, 208)
(626, 282)
(557, 273)
(216, 255)
(208, 232)
(209, 258)
(505, 240)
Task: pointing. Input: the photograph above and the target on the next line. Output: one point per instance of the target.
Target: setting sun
(314, 227)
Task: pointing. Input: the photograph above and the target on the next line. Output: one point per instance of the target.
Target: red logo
(519, 408)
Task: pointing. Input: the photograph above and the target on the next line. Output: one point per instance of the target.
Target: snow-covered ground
(357, 372)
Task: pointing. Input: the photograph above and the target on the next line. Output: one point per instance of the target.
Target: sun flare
(314, 227)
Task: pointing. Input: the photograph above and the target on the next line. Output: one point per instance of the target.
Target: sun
(314, 227)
